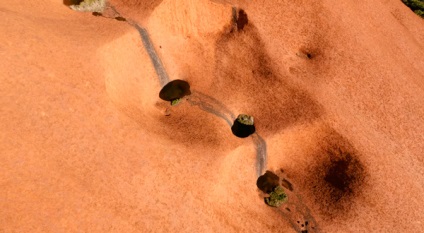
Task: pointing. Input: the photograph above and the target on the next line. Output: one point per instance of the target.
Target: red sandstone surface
(85, 145)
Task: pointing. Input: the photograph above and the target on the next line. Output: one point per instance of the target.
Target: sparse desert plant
(90, 6)
(277, 197)
(175, 101)
(416, 5)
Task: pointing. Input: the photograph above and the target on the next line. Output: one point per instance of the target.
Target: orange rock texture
(336, 89)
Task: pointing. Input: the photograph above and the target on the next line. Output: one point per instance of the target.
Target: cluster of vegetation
(269, 184)
(416, 5)
(277, 197)
(88, 5)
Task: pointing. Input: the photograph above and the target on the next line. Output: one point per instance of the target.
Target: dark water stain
(336, 177)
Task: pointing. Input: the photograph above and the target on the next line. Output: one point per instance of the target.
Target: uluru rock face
(336, 89)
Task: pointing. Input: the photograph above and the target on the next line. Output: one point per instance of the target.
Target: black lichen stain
(336, 178)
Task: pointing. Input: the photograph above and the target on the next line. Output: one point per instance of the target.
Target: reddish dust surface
(336, 89)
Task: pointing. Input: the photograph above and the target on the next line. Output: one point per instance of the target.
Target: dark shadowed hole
(243, 126)
(242, 19)
(72, 2)
(119, 18)
(267, 182)
(174, 90)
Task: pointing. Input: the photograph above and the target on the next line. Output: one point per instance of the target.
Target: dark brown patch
(267, 182)
(97, 14)
(339, 174)
(119, 18)
(336, 177)
(72, 2)
(309, 53)
(175, 89)
(241, 19)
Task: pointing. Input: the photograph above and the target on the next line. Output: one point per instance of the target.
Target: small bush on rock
(416, 5)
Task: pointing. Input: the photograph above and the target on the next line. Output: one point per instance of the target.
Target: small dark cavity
(304, 231)
(242, 130)
(288, 209)
(119, 18)
(72, 2)
(286, 184)
(241, 19)
(97, 14)
(298, 221)
(306, 223)
(175, 89)
(303, 225)
(307, 53)
(267, 182)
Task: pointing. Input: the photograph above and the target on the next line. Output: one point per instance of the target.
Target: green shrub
(276, 198)
(416, 5)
